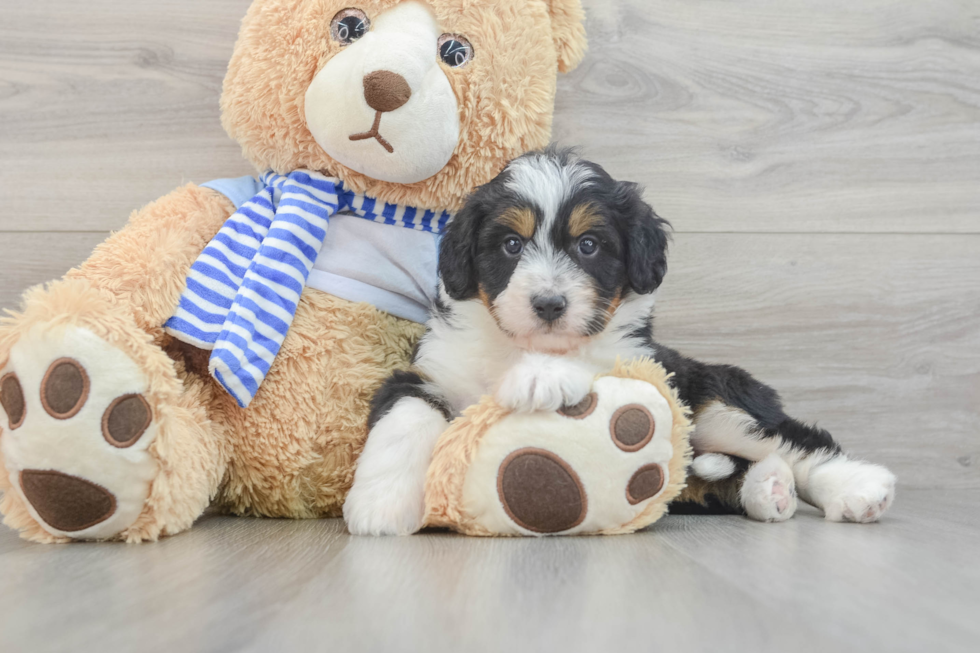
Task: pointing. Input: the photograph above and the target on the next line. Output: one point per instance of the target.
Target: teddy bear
(222, 348)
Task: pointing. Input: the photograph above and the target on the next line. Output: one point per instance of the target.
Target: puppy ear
(568, 31)
(646, 240)
(457, 250)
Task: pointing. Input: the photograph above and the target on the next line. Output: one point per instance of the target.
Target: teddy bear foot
(609, 464)
(77, 430)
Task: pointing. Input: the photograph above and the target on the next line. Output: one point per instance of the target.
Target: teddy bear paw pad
(589, 468)
(77, 428)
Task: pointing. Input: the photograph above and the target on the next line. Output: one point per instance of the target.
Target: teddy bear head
(412, 101)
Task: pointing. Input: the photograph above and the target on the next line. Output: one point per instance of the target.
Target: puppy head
(553, 246)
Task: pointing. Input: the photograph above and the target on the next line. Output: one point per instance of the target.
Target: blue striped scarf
(243, 290)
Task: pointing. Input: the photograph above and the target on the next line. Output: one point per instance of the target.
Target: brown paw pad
(645, 483)
(632, 427)
(125, 420)
(65, 502)
(582, 409)
(541, 492)
(12, 398)
(64, 389)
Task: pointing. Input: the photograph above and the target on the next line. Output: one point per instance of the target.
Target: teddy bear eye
(349, 25)
(454, 50)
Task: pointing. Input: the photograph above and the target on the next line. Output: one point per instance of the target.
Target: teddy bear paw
(77, 428)
(594, 466)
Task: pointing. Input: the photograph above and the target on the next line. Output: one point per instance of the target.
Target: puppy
(547, 275)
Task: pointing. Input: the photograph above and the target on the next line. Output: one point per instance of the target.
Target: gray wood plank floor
(910, 583)
(820, 163)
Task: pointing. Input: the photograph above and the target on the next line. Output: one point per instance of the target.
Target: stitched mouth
(374, 133)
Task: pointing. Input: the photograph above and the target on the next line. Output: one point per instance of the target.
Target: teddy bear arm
(144, 266)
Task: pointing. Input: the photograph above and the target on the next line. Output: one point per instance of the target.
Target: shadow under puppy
(547, 275)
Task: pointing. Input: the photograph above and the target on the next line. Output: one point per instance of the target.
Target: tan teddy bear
(375, 119)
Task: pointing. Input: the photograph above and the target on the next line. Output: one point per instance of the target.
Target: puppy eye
(588, 246)
(349, 25)
(454, 50)
(513, 246)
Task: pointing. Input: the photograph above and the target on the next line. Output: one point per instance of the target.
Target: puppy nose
(549, 308)
(385, 90)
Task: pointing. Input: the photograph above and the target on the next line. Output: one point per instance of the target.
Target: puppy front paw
(543, 383)
(384, 508)
(388, 496)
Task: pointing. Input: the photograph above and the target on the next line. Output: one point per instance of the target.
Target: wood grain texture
(746, 116)
(790, 116)
(687, 584)
(106, 106)
(28, 259)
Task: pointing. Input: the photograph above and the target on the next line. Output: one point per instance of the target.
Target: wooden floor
(687, 584)
(820, 162)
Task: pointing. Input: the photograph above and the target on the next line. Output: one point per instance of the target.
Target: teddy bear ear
(568, 29)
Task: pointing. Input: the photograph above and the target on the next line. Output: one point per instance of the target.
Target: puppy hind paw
(853, 491)
(768, 492)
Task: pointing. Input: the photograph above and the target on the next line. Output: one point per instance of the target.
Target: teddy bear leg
(608, 464)
(100, 437)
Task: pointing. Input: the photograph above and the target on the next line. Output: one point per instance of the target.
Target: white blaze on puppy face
(544, 269)
(422, 133)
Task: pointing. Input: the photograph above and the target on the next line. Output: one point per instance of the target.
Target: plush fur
(292, 453)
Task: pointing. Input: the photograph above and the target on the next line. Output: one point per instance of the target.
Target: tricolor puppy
(548, 274)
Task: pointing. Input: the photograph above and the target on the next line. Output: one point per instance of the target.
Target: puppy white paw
(768, 491)
(388, 495)
(384, 508)
(851, 490)
(541, 382)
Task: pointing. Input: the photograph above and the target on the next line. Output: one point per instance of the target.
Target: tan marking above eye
(583, 218)
(521, 220)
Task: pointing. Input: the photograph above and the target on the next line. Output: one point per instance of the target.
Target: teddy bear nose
(385, 90)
